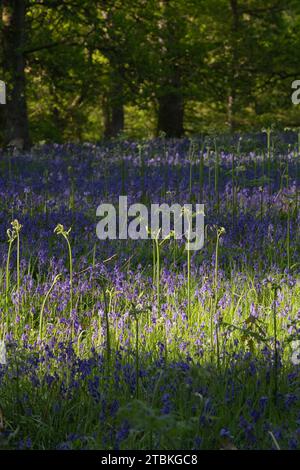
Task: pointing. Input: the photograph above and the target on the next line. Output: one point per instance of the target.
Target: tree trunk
(114, 110)
(113, 119)
(170, 98)
(231, 102)
(13, 36)
(170, 115)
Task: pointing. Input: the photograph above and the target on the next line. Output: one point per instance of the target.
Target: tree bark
(16, 126)
(231, 102)
(170, 114)
(113, 119)
(114, 112)
(170, 97)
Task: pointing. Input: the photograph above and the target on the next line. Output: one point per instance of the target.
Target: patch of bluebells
(68, 382)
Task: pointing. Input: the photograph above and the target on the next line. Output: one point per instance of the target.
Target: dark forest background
(79, 70)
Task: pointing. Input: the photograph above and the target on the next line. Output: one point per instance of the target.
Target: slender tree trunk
(170, 115)
(231, 102)
(170, 98)
(13, 37)
(113, 119)
(117, 118)
(113, 106)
